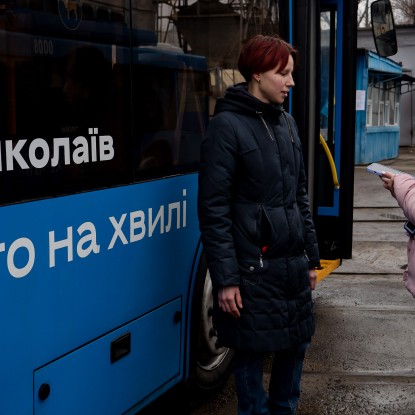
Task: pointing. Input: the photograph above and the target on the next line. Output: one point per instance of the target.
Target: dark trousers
(284, 388)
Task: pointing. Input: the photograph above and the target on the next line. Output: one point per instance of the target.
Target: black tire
(210, 365)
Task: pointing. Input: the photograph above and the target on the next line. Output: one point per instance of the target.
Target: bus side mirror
(383, 28)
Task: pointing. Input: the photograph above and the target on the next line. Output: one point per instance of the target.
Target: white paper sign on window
(360, 100)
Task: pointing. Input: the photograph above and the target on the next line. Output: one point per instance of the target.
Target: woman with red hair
(257, 229)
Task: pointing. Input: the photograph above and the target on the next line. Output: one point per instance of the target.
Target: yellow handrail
(331, 161)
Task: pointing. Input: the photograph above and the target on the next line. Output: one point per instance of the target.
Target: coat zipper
(266, 126)
(290, 132)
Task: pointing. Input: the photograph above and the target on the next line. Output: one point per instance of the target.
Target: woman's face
(274, 85)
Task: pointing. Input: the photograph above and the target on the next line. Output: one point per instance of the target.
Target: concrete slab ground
(362, 358)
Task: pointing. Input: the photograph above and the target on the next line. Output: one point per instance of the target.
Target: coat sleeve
(404, 188)
(216, 176)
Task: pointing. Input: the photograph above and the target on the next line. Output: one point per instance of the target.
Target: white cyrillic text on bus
(139, 226)
(40, 152)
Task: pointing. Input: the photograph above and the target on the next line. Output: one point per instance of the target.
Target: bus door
(324, 107)
(336, 137)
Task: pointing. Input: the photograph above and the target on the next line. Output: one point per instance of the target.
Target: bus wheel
(211, 365)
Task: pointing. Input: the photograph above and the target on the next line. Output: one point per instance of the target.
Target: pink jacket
(404, 188)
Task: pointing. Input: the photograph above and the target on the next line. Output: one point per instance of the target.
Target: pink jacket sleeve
(404, 188)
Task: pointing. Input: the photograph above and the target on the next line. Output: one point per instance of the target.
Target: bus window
(72, 98)
(328, 23)
(68, 125)
(170, 92)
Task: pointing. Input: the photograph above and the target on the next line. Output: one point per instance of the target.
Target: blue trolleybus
(105, 297)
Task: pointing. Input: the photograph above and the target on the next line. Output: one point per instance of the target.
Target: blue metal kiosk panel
(378, 144)
(378, 63)
(374, 143)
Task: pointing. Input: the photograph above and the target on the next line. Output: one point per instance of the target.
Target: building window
(387, 113)
(382, 102)
(396, 114)
(375, 105)
(369, 106)
(393, 104)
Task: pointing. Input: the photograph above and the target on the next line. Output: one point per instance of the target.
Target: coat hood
(238, 99)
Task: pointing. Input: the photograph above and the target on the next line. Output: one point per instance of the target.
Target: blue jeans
(284, 388)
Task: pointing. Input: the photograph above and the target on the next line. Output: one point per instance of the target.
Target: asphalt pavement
(362, 357)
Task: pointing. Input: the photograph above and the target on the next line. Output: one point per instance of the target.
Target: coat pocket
(252, 267)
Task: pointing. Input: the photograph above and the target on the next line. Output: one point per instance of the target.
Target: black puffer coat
(252, 193)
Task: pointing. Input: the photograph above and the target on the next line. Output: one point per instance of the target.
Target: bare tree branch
(406, 9)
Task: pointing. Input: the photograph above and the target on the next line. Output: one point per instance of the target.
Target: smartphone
(378, 168)
(409, 227)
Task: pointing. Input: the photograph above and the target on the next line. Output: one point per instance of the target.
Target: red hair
(263, 53)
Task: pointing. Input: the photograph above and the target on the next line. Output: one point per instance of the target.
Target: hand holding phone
(378, 168)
